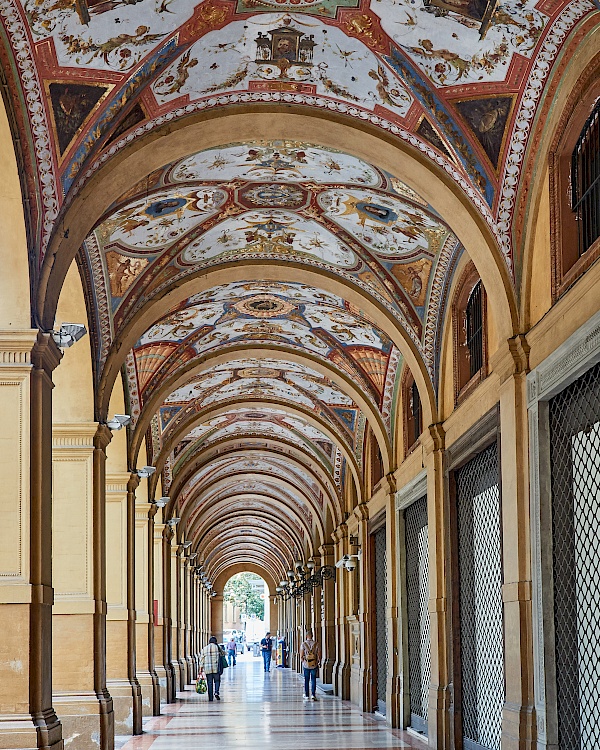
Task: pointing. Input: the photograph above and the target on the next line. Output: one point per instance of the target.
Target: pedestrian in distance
(210, 667)
(266, 646)
(310, 656)
(231, 651)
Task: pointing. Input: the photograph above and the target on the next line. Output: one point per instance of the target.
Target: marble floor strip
(261, 711)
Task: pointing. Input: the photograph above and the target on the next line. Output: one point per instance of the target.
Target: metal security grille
(585, 182)
(480, 600)
(417, 589)
(575, 462)
(474, 330)
(381, 615)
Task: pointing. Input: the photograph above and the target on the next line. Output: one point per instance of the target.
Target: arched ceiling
(261, 296)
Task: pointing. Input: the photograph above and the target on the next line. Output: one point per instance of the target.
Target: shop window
(574, 163)
(469, 333)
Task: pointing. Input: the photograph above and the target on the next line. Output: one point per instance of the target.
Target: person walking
(210, 666)
(231, 651)
(266, 646)
(310, 656)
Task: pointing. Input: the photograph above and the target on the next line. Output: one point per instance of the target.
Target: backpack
(310, 657)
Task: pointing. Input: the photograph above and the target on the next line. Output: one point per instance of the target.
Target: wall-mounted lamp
(172, 522)
(68, 334)
(118, 422)
(185, 545)
(161, 502)
(145, 472)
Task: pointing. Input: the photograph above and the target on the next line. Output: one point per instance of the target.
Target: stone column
(143, 605)
(518, 716)
(327, 616)
(151, 598)
(167, 618)
(341, 669)
(79, 614)
(186, 610)
(136, 691)
(439, 724)
(394, 623)
(174, 587)
(366, 614)
(159, 621)
(181, 615)
(27, 718)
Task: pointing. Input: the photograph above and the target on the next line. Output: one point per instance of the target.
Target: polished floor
(261, 711)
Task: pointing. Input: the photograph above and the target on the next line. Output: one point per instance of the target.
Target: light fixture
(162, 501)
(118, 422)
(213, 593)
(145, 472)
(193, 556)
(68, 334)
(311, 565)
(305, 580)
(173, 521)
(185, 545)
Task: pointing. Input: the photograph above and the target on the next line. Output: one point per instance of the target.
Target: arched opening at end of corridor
(246, 614)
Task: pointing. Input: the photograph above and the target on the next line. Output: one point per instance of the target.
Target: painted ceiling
(283, 367)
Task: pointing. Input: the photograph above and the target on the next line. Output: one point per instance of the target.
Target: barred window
(585, 182)
(474, 330)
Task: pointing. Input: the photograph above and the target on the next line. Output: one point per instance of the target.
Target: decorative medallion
(274, 195)
(264, 306)
(259, 372)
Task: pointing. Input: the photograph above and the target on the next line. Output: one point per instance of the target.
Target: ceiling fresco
(459, 81)
(451, 77)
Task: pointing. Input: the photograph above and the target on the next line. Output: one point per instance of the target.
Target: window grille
(480, 600)
(415, 407)
(417, 589)
(575, 468)
(585, 182)
(474, 329)
(381, 615)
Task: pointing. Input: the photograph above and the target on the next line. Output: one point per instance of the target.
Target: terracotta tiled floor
(261, 711)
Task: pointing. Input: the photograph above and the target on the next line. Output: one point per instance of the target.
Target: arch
(212, 413)
(199, 131)
(209, 360)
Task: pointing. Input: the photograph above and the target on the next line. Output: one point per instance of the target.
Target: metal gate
(379, 544)
(575, 461)
(480, 600)
(417, 589)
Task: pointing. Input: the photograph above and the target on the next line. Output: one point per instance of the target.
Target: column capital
(340, 533)
(16, 346)
(133, 483)
(102, 437)
(361, 512)
(511, 358)
(434, 439)
(45, 354)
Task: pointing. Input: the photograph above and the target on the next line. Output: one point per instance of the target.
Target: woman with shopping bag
(212, 663)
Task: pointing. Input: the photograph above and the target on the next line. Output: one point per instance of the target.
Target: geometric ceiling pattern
(261, 298)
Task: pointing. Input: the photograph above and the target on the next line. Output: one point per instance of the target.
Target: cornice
(16, 346)
(73, 436)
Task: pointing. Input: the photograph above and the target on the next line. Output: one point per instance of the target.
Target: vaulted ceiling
(260, 298)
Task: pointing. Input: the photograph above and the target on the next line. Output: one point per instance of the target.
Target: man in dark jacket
(266, 646)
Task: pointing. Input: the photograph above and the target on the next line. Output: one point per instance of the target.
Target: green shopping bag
(201, 685)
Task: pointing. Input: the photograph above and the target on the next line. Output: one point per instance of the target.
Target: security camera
(118, 422)
(68, 334)
(342, 563)
(350, 564)
(145, 472)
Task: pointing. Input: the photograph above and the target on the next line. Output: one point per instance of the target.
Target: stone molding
(73, 436)
(567, 363)
(16, 347)
(414, 490)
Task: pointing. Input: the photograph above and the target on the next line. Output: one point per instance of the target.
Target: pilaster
(327, 616)
(27, 718)
(159, 613)
(143, 605)
(344, 641)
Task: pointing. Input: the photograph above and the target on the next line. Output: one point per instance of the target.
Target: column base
(519, 731)
(162, 677)
(147, 687)
(123, 697)
(176, 677)
(183, 674)
(20, 732)
(86, 719)
(438, 718)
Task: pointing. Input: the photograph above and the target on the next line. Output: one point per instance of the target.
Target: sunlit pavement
(261, 711)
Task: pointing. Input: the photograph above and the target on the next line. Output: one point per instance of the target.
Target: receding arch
(199, 131)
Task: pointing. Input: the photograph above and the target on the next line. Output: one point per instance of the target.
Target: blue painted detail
(426, 95)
